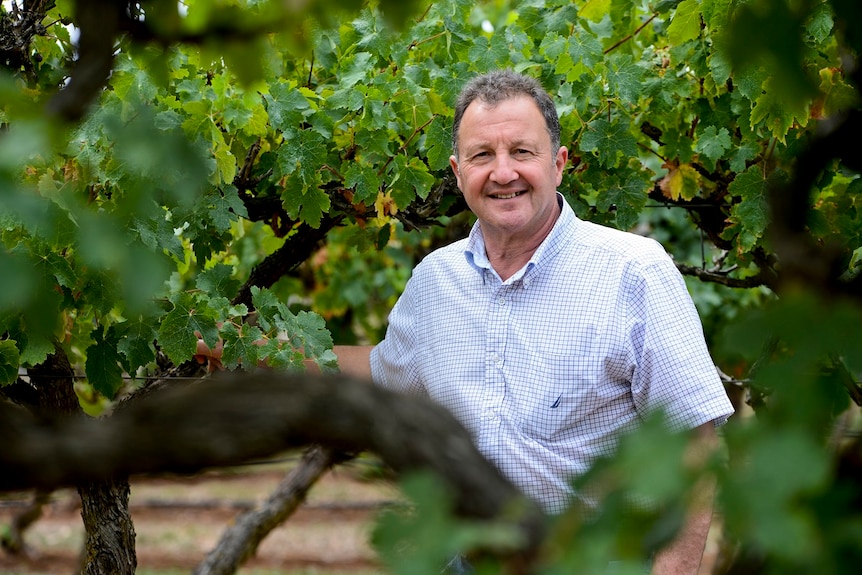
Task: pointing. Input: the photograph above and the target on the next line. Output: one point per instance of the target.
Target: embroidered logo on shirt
(556, 404)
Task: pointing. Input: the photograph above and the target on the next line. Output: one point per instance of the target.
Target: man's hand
(210, 357)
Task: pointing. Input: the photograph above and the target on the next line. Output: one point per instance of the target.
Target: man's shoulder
(450, 254)
(618, 243)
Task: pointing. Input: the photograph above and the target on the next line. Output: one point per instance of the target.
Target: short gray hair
(499, 86)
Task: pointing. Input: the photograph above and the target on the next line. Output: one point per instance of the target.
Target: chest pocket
(554, 396)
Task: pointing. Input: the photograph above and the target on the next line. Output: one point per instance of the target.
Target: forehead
(517, 118)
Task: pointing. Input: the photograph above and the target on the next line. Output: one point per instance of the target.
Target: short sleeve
(394, 361)
(673, 368)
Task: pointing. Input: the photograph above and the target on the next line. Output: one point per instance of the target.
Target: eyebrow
(485, 145)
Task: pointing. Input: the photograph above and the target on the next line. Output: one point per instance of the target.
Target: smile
(506, 196)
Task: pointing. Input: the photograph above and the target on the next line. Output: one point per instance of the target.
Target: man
(545, 335)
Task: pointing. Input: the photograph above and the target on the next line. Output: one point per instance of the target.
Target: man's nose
(504, 170)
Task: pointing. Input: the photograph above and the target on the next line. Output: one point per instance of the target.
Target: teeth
(507, 196)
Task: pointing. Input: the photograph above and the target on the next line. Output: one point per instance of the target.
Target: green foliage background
(235, 127)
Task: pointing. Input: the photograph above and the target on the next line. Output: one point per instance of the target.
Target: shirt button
(501, 301)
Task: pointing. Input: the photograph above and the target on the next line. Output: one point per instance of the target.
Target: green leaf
(439, 135)
(223, 207)
(364, 182)
(225, 161)
(685, 24)
(303, 153)
(102, 367)
(9, 362)
(218, 281)
(286, 106)
(585, 48)
(356, 68)
(752, 212)
(776, 112)
(628, 199)
(595, 10)
(489, 54)
(625, 78)
(305, 331)
(136, 342)
(308, 332)
(241, 346)
(178, 331)
(741, 156)
(410, 178)
(158, 235)
(609, 140)
(713, 142)
(308, 206)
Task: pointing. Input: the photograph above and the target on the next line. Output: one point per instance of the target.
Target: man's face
(507, 171)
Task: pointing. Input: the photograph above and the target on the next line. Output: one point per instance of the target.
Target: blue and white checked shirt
(547, 368)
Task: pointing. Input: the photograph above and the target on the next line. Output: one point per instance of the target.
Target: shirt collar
(477, 257)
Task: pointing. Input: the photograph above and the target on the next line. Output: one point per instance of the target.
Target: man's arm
(684, 554)
(354, 360)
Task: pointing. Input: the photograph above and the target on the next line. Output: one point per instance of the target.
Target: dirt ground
(179, 519)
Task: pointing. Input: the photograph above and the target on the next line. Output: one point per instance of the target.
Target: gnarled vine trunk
(110, 534)
(109, 531)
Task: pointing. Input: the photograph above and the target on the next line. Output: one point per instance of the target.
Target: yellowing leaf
(595, 10)
(385, 206)
(685, 24)
(681, 182)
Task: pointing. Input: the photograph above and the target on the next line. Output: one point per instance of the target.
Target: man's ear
(453, 162)
(560, 162)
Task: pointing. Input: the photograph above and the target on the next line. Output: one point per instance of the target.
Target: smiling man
(547, 336)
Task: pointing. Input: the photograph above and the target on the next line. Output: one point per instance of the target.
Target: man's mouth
(506, 196)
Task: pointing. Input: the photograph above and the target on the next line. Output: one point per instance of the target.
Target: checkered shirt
(546, 369)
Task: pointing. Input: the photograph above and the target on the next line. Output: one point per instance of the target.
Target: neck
(507, 254)
(507, 262)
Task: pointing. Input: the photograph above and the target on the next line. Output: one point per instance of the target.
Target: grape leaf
(595, 10)
(303, 152)
(713, 142)
(439, 134)
(741, 156)
(363, 180)
(609, 141)
(585, 48)
(285, 105)
(241, 345)
(309, 206)
(628, 199)
(223, 207)
(177, 335)
(136, 339)
(218, 281)
(410, 179)
(157, 234)
(625, 78)
(776, 112)
(752, 212)
(685, 24)
(103, 363)
(9, 362)
(305, 331)
(682, 181)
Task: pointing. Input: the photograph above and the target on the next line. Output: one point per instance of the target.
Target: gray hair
(499, 86)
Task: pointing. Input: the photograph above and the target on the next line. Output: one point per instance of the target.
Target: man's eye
(522, 152)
